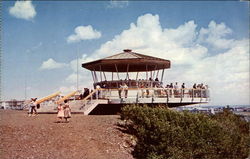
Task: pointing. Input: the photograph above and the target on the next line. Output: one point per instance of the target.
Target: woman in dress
(67, 111)
(60, 113)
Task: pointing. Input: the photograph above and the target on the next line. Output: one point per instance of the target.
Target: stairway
(91, 104)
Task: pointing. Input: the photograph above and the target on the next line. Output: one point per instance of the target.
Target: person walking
(32, 107)
(67, 111)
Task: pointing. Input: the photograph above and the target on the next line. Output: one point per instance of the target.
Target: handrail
(84, 99)
(169, 92)
(66, 97)
(47, 97)
(153, 88)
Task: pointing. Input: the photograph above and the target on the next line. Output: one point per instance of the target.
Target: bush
(162, 133)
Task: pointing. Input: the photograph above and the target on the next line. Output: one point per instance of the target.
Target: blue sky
(210, 31)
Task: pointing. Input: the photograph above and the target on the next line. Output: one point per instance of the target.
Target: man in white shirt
(176, 87)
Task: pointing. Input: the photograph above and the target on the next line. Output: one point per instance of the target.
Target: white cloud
(214, 35)
(84, 33)
(51, 64)
(23, 9)
(117, 4)
(226, 72)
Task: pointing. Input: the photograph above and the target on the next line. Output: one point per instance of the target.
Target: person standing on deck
(176, 87)
(183, 89)
(120, 91)
(125, 88)
(98, 91)
(171, 89)
(194, 90)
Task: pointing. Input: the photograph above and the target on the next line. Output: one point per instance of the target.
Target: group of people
(63, 110)
(84, 94)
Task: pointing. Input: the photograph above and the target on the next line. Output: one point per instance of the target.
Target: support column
(100, 72)
(137, 75)
(127, 72)
(104, 75)
(93, 76)
(162, 75)
(117, 72)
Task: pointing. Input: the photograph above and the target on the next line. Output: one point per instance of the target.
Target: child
(67, 111)
(60, 113)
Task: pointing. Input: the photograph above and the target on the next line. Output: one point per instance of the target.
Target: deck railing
(152, 92)
(136, 94)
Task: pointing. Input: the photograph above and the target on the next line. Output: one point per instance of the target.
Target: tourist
(125, 89)
(32, 107)
(60, 113)
(171, 88)
(183, 89)
(194, 90)
(86, 92)
(199, 90)
(176, 91)
(142, 90)
(120, 91)
(167, 90)
(67, 111)
(98, 91)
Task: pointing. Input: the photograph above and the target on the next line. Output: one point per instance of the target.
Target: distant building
(12, 104)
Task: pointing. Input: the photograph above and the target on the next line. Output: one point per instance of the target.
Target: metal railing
(152, 92)
(142, 93)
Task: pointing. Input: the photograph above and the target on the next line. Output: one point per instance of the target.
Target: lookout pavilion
(133, 78)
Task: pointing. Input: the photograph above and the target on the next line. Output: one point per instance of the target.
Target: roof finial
(127, 50)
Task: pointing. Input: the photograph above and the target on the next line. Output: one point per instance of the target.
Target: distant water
(219, 106)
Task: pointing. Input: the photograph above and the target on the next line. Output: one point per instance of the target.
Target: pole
(127, 72)
(25, 85)
(117, 72)
(93, 76)
(77, 71)
(162, 75)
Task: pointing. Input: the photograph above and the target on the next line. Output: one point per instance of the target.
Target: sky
(207, 42)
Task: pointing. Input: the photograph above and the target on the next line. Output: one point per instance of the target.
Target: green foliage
(162, 133)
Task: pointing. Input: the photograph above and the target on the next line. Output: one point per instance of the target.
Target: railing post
(91, 97)
(192, 94)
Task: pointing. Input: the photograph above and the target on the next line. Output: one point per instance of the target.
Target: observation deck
(126, 78)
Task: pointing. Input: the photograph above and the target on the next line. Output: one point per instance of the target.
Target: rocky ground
(40, 137)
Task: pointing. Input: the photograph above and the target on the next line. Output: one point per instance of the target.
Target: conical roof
(127, 61)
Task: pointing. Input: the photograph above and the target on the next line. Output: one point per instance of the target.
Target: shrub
(162, 133)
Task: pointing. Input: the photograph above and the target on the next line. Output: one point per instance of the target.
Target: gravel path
(39, 137)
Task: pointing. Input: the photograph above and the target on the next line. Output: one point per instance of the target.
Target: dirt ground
(39, 137)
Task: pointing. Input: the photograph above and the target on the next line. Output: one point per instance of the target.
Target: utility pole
(77, 70)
